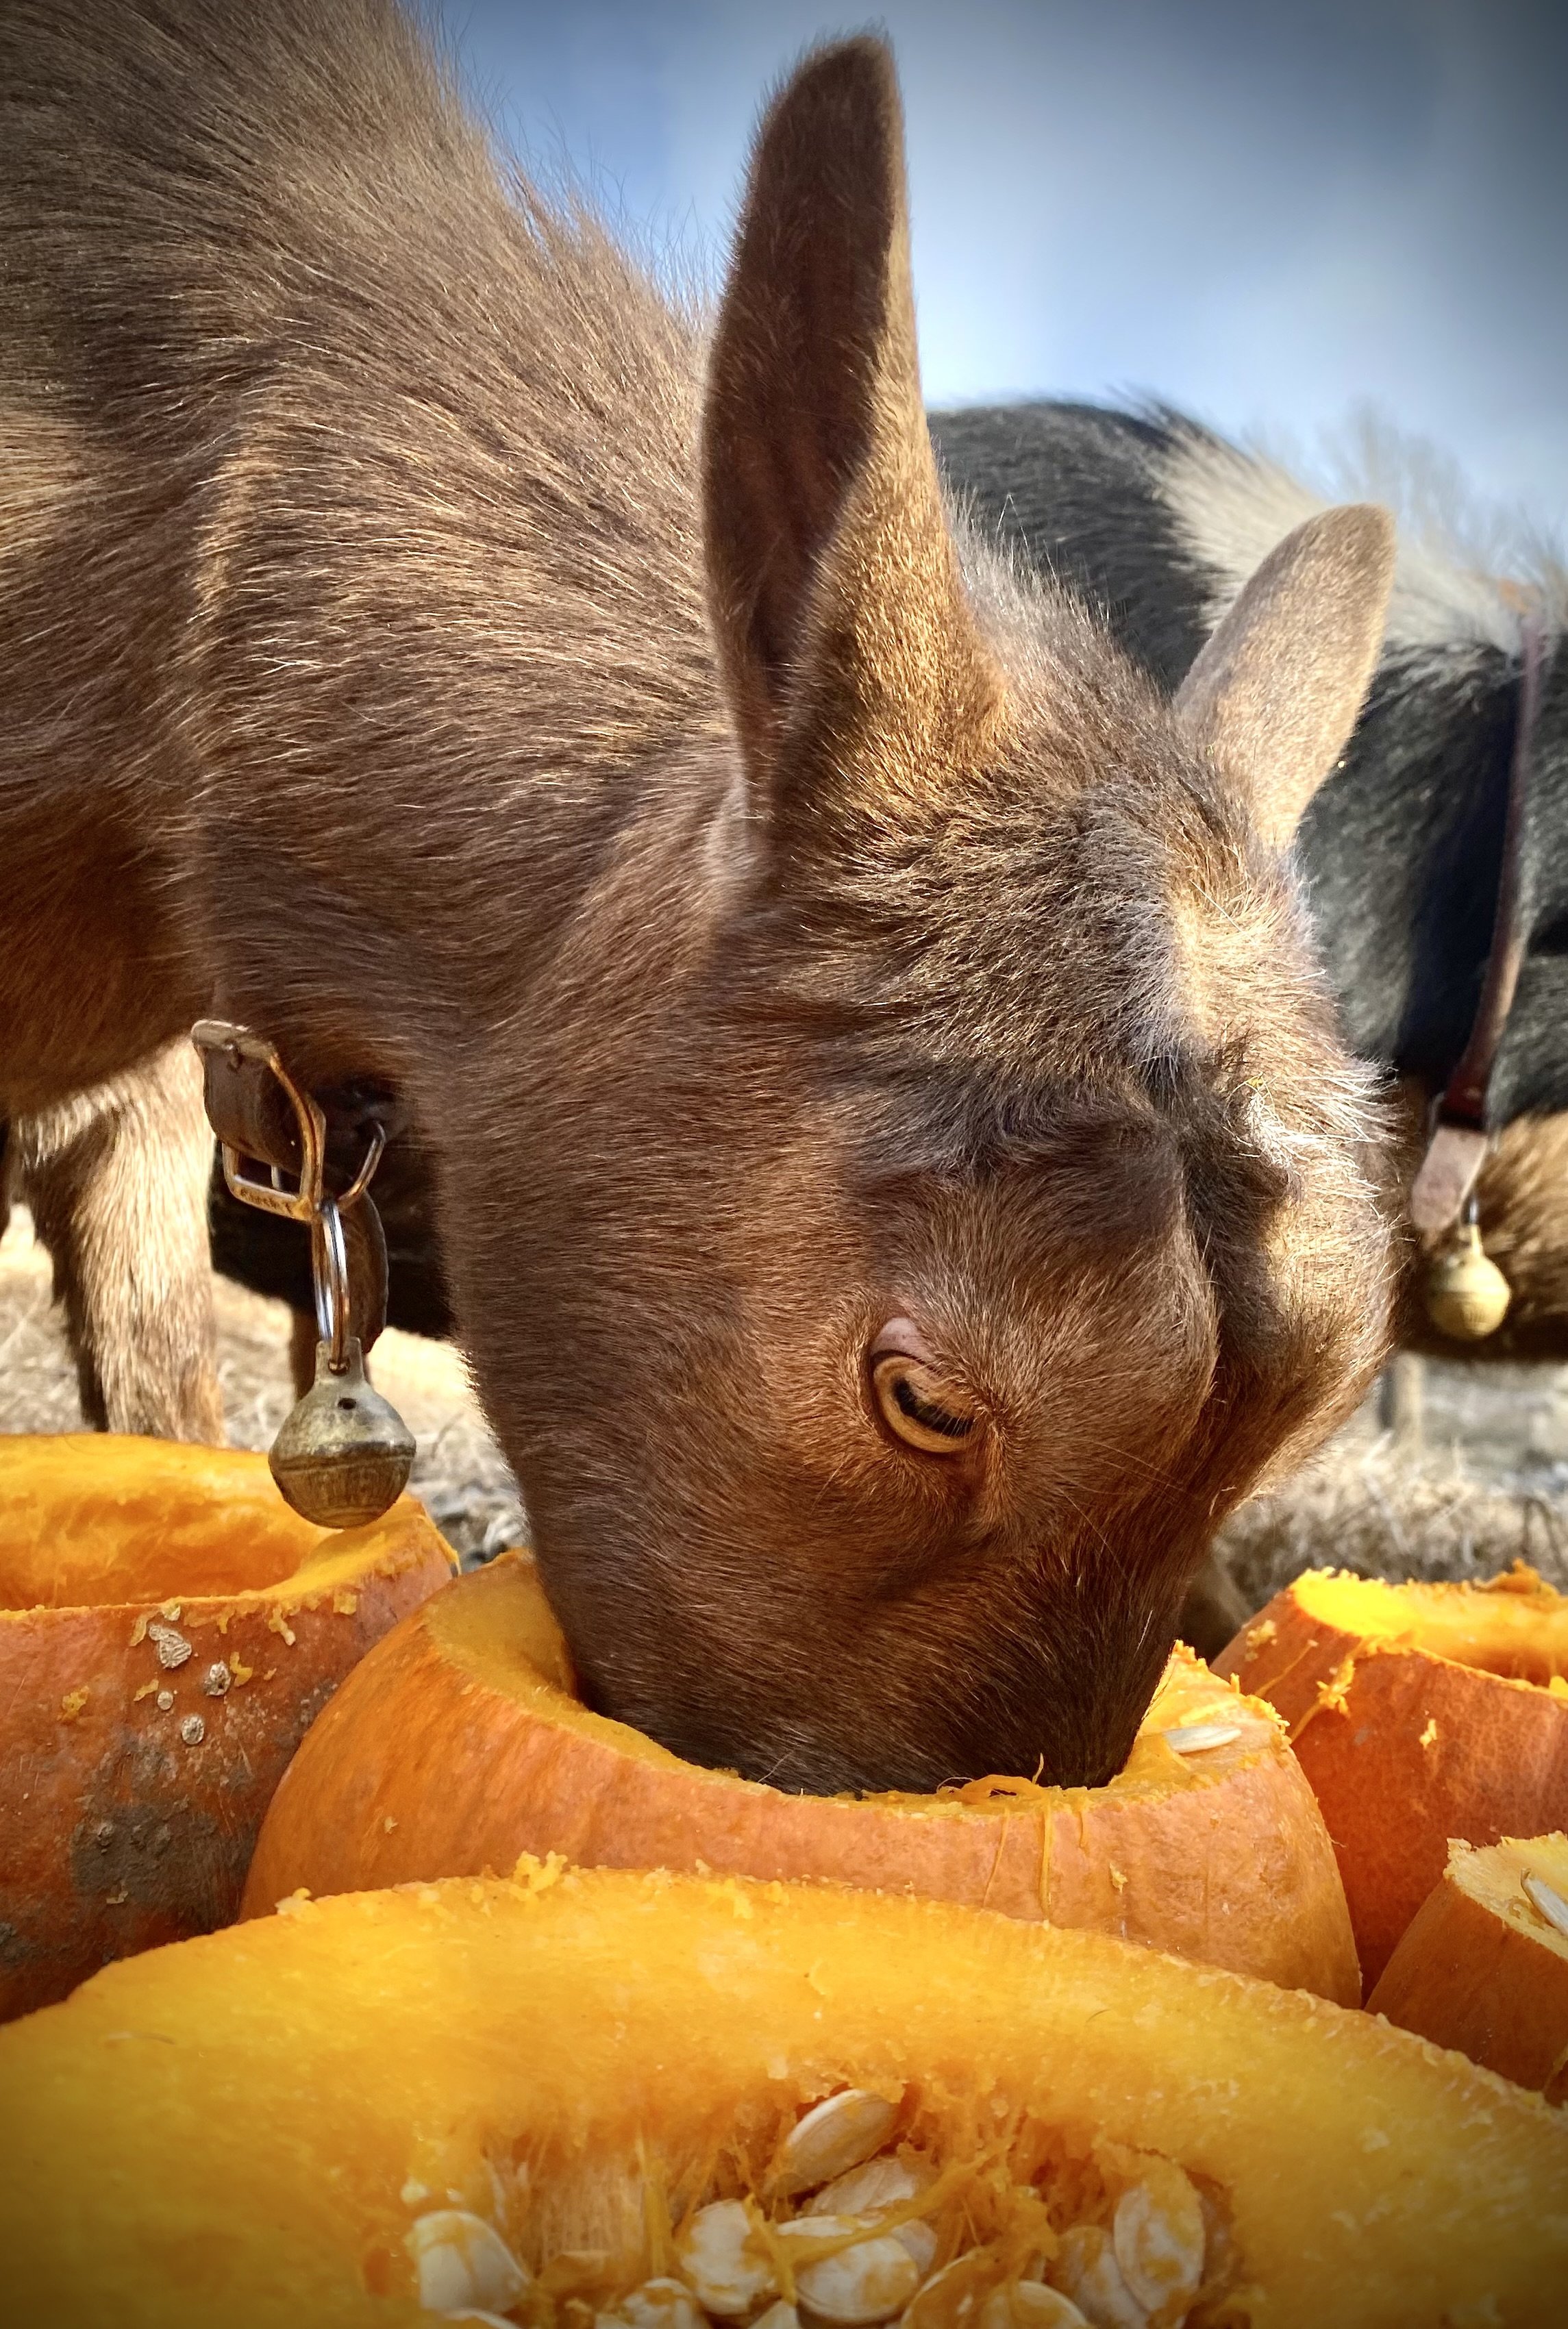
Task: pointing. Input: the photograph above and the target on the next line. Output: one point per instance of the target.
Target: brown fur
(777, 916)
(117, 1180)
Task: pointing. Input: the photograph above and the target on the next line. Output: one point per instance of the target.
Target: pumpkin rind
(1481, 1969)
(124, 1820)
(244, 2127)
(1419, 1712)
(459, 1745)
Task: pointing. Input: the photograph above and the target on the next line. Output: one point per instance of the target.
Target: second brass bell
(1467, 1295)
(344, 1454)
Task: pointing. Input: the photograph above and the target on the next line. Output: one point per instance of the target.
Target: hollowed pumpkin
(292, 2121)
(168, 1630)
(1419, 1712)
(460, 1744)
(1483, 1966)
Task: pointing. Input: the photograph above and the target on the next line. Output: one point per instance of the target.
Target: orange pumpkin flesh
(1483, 1967)
(254, 2128)
(168, 1630)
(459, 1745)
(1418, 1713)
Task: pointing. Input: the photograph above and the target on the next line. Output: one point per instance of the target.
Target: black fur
(273, 1256)
(1069, 485)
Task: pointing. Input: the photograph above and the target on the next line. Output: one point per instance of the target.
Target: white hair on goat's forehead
(1242, 965)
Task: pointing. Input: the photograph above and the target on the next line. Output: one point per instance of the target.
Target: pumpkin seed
(1548, 1903)
(1198, 1738)
(462, 2261)
(778, 2316)
(660, 2303)
(835, 2136)
(1085, 2269)
(948, 2297)
(1030, 2305)
(920, 2241)
(723, 2260)
(869, 2282)
(1157, 2233)
(880, 2183)
(883, 2182)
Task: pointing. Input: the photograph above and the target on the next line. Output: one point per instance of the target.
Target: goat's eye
(920, 1406)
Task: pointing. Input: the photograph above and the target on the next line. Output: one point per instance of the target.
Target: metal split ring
(329, 1270)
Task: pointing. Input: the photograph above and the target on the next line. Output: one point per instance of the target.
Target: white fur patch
(1232, 507)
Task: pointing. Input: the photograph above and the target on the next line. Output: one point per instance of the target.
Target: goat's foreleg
(117, 1178)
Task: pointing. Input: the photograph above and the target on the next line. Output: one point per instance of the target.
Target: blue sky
(1268, 213)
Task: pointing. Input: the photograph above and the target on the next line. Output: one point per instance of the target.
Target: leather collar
(1460, 1139)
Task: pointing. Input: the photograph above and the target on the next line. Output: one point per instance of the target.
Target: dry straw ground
(1476, 1478)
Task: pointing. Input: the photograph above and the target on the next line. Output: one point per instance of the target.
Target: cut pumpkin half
(1419, 1712)
(1483, 1966)
(169, 1631)
(672, 2101)
(462, 1744)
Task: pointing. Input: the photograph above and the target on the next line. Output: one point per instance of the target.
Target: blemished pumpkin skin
(1483, 1966)
(169, 1631)
(460, 1744)
(1419, 1713)
(244, 2129)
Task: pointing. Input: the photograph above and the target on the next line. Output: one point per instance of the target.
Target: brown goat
(899, 1177)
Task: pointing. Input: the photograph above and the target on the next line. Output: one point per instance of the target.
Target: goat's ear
(846, 640)
(1278, 688)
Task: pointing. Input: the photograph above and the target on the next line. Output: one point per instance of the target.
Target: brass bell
(1467, 1295)
(345, 1453)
